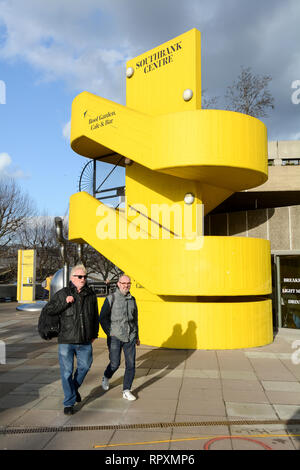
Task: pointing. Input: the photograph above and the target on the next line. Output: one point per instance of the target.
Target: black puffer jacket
(79, 321)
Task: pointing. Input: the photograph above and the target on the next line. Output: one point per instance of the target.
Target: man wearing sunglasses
(119, 320)
(77, 308)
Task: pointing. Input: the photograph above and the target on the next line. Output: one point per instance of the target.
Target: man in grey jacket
(119, 320)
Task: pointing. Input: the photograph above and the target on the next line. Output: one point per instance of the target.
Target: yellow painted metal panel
(206, 325)
(162, 74)
(26, 275)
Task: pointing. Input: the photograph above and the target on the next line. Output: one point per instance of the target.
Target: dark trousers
(115, 347)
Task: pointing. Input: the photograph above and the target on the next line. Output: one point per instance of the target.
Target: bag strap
(112, 299)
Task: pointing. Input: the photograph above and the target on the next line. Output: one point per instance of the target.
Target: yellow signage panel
(157, 79)
(26, 275)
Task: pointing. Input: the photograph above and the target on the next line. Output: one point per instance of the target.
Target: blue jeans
(115, 347)
(66, 354)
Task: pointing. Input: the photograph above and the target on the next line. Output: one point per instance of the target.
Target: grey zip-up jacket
(119, 316)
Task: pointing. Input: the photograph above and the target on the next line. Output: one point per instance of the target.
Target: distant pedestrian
(119, 320)
(46, 286)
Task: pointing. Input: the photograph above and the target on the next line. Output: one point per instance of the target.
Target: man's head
(124, 284)
(78, 276)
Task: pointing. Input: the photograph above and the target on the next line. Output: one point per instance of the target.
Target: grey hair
(124, 275)
(77, 267)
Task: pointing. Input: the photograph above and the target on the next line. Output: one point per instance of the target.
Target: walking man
(77, 308)
(119, 320)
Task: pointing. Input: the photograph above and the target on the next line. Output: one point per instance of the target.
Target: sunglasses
(79, 276)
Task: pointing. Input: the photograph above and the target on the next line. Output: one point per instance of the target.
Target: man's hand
(138, 342)
(70, 299)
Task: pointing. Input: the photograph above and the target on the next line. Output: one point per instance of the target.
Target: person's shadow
(160, 361)
(293, 427)
(168, 357)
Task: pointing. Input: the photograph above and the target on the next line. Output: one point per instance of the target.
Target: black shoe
(68, 410)
(78, 397)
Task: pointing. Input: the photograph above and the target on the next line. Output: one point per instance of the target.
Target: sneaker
(128, 395)
(105, 383)
(78, 397)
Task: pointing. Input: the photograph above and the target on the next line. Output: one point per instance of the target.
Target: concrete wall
(281, 178)
(280, 225)
(281, 149)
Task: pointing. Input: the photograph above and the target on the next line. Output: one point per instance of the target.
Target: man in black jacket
(77, 308)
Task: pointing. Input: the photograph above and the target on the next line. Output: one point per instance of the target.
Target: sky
(50, 51)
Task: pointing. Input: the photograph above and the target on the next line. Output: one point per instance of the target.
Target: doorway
(286, 280)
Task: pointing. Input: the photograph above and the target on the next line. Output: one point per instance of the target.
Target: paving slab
(202, 373)
(205, 408)
(245, 396)
(25, 441)
(238, 374)
(280, 386)
(287, 411)
(194, 383)
(9, 415)
(256, 411)
(242, 385)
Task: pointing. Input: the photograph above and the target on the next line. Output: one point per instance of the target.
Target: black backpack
(48, 325)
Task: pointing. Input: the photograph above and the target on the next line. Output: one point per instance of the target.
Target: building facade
(271, 211)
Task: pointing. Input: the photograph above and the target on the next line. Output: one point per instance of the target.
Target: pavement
(244, 399)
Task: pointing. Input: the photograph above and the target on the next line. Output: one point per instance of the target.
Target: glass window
(290, 291)
(291, 161)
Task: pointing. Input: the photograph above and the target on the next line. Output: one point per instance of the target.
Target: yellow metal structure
(26, 275)
(193, 291)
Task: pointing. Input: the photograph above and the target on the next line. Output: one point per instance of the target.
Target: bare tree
(97, 263)
(15, 207)
(208, 103)
(249, 94)
(9, 264)
(38, 233)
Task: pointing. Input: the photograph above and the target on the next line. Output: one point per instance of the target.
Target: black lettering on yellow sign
(102, 120)
(159, 59)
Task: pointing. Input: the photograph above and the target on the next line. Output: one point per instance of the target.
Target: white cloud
(86, 43)
(7, 169)
(67, 41)
(67, 131)
(295, 136)
(5, 161)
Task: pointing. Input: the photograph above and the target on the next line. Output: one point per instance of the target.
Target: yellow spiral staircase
(193, 291)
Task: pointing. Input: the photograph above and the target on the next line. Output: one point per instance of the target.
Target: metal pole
(66, 274)
(62, 241)
(94, 177)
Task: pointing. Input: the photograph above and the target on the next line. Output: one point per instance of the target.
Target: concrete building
(271, 211)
